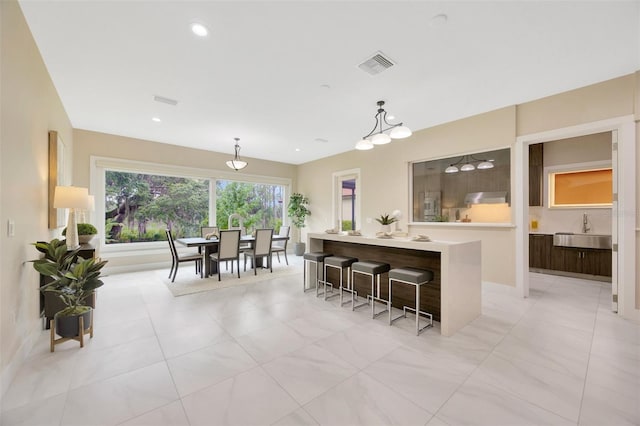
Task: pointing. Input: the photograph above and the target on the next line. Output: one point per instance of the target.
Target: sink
(593, 241)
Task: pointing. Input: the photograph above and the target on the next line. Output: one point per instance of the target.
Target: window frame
(99, 164)
(575, 167)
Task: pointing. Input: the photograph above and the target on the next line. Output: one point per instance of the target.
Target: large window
(139, 207)
(260, 205)
(139, 200)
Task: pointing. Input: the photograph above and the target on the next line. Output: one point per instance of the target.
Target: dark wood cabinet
(540, 246)
(536, 169)
(544, 255)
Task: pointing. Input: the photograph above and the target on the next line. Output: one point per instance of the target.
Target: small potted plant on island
(86, 232)
(73, 279)
(298, 212)
(386, 220)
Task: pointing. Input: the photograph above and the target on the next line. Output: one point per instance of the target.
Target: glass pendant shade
(383, 131)
(380, 139)
(236, 164)
(451, 169)
(485, 165)
(400, 132)
(467, 167)
(364, 145)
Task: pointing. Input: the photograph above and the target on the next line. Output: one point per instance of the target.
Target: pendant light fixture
(378, 135)
(467, 164)
(236, 164)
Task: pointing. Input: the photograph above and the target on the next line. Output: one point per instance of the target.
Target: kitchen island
(453, 297)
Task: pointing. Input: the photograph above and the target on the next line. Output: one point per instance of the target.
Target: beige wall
(87, 144)
(385, 182)
(384, 169)
(29, 108)
(613, 98)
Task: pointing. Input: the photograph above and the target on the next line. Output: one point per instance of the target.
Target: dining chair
(228, 249)
(176, 258)
(206, 230)
(261, 248)
(281, 246)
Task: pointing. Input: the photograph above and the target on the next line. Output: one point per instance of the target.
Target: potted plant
(298, 211)
(386, 220)
(73, 280)
(86, 232)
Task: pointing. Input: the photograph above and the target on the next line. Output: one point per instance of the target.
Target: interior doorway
(346, 201)
(622, 224)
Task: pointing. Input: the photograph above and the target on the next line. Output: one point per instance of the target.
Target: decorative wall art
(58, 176)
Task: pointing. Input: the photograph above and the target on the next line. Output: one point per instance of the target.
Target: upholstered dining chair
(261, 248)
(206, 230)
(177, 258)
(228, 249)
(281, 246)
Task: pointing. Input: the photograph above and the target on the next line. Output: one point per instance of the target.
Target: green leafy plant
(72, 277)
(298, 209)
(386, 219)
(84, 229)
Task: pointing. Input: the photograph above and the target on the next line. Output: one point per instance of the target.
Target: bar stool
(416, 277)
(374, 270)
(315, 258)
(339, 262)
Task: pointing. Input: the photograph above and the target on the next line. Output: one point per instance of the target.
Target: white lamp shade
(485, 165)
(364, 145)
(451, 169)
(236, 164)
(72, 197)
(467, 167)
(380, 139)
(400, 132)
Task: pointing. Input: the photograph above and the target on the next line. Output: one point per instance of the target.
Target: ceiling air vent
(376, 64)
(165, 100)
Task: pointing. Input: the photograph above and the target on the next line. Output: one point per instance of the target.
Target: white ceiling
(263, 71)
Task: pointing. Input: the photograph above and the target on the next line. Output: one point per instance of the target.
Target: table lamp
(72, 198)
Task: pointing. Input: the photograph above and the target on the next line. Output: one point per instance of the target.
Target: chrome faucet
(585, 224)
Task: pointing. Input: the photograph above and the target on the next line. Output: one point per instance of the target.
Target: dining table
(209, 246)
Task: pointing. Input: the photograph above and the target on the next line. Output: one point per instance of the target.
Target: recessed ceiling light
(199, 29)
(297, 149)
(156, 119)
(321, 140)
(439, 20)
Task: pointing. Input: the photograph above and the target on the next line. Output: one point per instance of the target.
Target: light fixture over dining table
(236, 164)
(378, 135)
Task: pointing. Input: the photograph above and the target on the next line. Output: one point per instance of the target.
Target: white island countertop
(460, 271)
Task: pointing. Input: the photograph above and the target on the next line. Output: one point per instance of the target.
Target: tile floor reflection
(266, 353)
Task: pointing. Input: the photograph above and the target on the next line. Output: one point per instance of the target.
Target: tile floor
(267, 353)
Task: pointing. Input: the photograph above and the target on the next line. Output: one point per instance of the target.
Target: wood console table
(454, 296)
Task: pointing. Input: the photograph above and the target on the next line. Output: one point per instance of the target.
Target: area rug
(188, 283)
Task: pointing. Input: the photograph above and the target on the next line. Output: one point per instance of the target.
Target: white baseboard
(492, 287)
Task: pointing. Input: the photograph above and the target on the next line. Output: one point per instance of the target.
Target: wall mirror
(466, 188)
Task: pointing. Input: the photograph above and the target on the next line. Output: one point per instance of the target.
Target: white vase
(386, 228)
